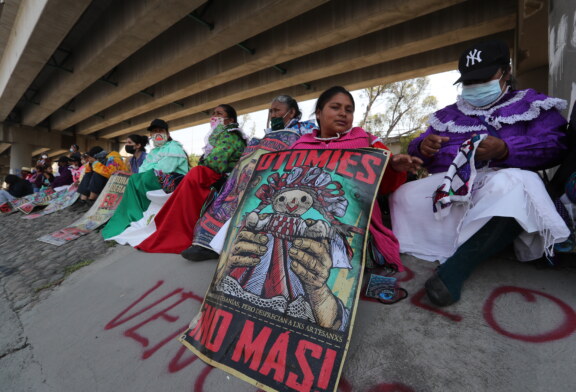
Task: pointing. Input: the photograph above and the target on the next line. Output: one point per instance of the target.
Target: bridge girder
(109, 68)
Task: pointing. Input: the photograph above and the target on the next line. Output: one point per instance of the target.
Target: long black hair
(230, 111)
(139, 139)
(328, 94)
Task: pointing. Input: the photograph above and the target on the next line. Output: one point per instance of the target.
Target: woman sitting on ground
(64, 174)
(335, 114)
(273, 268)
(175, 221)
(74, 151)
(482, 195)
(102, 166)
(167, 157)
(286, 126)
(17, 187)
(136, 145)
(76, 169)
(44, 177)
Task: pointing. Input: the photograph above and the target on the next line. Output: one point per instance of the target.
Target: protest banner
(280, 309)
(96, 216)
(27, 203)
(38, 199)
(62, 199)
(223, 207)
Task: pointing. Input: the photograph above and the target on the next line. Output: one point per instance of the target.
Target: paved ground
(111, 326)
(27, 265)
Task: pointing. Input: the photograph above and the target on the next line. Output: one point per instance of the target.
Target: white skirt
(514, 193)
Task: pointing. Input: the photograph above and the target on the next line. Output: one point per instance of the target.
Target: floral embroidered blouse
(226, 144)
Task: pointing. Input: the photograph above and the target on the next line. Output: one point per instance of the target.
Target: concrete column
(20, 155)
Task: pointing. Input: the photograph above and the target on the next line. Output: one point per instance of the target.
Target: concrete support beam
(37, 31)
(9, 9)
(39, 151)
(531, 62)
(57, 153)
(439, 60)
(130, 24)
(4, 147)
(450, 26)
(184, 45)
(40, 137)
(20, 156)
(331, 25)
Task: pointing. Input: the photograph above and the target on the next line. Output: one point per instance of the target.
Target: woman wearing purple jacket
(483, 194)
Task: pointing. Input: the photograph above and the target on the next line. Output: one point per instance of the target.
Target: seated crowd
(482, 195)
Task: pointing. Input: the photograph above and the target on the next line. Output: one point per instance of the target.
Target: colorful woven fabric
(224, 148)
(457, 183)
(168, 181)
(112, 164)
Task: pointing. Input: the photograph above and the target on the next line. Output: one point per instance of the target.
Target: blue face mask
(482, 94)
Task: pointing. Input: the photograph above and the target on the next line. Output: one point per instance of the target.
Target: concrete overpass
(92, 71)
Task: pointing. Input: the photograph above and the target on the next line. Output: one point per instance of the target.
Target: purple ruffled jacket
(529, 123)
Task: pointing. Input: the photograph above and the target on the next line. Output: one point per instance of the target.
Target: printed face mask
(159, 139)
(130, 149)
(215, 121)
(482, 94)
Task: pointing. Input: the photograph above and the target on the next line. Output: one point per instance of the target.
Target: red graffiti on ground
(199, 384)
(406, 276)
(416, 300)
(566, 328)
(179, 361)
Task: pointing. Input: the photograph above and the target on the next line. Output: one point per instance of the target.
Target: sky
(441, 86)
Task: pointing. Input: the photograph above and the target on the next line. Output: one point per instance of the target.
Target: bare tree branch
(406, 111)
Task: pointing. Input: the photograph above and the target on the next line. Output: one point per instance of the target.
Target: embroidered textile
(457, 183)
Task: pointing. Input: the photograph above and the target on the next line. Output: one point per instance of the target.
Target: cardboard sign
(281, 306)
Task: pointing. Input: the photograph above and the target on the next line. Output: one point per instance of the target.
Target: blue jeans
(5, 196)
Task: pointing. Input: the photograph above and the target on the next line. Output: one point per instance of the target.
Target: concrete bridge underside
(92, 71)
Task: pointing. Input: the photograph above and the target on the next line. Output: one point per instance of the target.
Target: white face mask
(159, 139)
(215, 121)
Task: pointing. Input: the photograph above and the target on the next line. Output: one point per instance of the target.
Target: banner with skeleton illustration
(280, 309)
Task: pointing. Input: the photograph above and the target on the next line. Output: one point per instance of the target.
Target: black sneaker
(79, 205)
(199, 253)
(437, 292)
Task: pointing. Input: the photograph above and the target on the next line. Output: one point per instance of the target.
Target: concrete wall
(562, 50)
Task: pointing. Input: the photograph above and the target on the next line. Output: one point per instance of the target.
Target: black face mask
(277, 123)
(129, 149)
